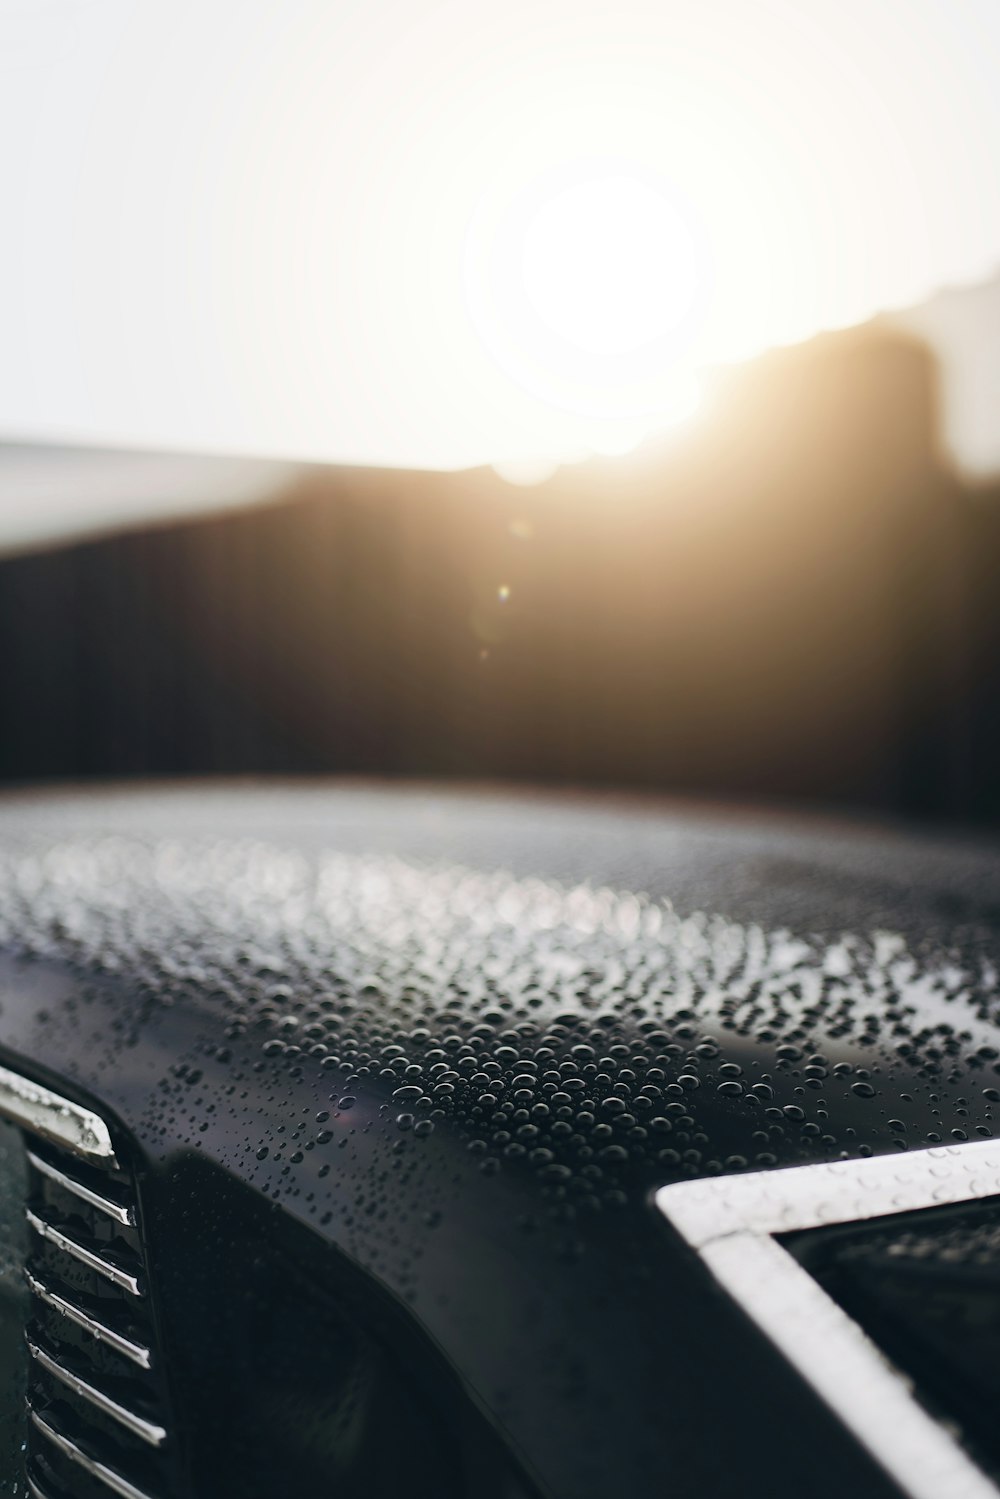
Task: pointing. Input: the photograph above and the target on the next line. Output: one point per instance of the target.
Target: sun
(610, 265)
(588, 284)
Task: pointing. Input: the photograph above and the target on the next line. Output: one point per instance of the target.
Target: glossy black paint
(517, 1326)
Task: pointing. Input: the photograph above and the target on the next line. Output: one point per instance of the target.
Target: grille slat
(148, 1431)
(41, 1112)
(36, 1490)
(120, 1212)
(110, 1477)
(119, 1275)
(127, 1347)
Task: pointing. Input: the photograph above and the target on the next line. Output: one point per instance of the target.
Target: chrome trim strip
(115, 1481)
(732, 1222)
(135, 1351)
(35, 1489)
(86, 1256)
(44, 1113)
(148, 1431)
(86, 1194)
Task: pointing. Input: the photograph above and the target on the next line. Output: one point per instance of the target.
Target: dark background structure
(796, 599)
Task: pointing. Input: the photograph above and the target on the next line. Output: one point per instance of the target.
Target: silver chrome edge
(732, 1222)
(86, 1194)
(108, 1476)
(137, 1352)
(86, 1256)
(35, 1489)
(54, 1118)
(148, 1431)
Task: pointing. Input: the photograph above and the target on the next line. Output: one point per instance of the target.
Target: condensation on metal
(137, 1352)
(54, 1118)
(115, 1273)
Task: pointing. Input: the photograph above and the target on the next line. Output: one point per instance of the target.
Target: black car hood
(461, 1038)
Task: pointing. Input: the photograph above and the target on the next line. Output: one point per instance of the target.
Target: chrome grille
(96, 1396)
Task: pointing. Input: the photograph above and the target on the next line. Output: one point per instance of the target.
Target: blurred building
(792, 599)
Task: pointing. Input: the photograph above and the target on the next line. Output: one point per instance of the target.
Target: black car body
(393, 1078)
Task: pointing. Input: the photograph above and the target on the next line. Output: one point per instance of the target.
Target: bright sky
(448, 233)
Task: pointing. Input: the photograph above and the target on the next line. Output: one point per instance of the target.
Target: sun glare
(451, 234)
(587, 283)
(610, 265)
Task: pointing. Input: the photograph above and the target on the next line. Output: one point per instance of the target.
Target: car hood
(462, 1038)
